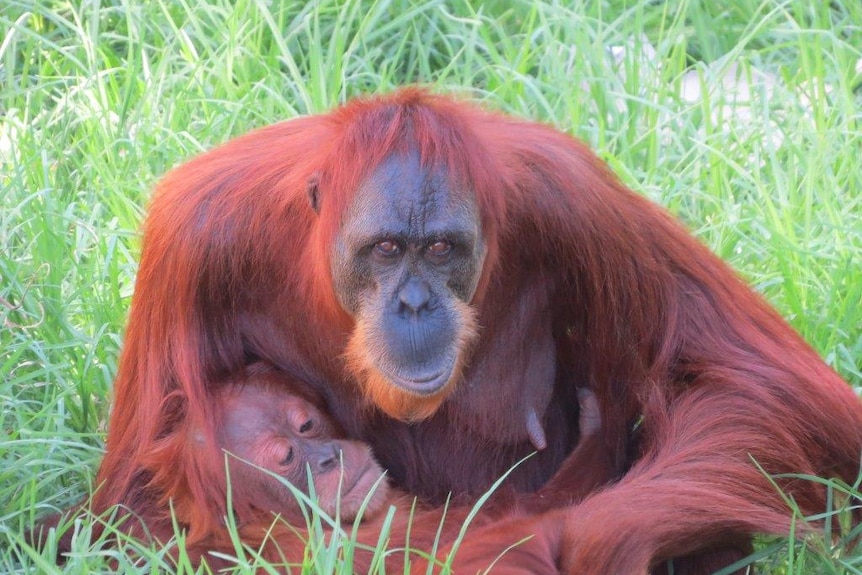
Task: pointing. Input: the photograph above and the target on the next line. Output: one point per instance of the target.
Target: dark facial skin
(406, 264)
(287, 435)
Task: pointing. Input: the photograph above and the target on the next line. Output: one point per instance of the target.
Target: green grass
(100, 98)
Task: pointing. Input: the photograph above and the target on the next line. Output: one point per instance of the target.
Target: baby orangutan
(274, 423)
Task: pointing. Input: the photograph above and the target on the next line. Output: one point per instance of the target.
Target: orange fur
(610, 293)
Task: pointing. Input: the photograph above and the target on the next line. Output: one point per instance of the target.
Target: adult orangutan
(273, 424)
(447, 278)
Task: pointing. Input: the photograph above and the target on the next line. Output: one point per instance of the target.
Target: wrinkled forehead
(402, 197)
(251, 410)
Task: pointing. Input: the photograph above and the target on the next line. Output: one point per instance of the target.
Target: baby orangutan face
(280, 431)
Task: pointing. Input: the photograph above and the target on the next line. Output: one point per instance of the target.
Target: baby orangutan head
(270, 421)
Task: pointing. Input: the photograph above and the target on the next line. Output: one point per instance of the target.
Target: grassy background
(97, 99)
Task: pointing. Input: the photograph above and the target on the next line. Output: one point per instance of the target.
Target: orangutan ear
(313, 191)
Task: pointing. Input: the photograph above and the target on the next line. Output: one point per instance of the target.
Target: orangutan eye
(439, 248)
(289, 457)
(306, 427)
(387, 248)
